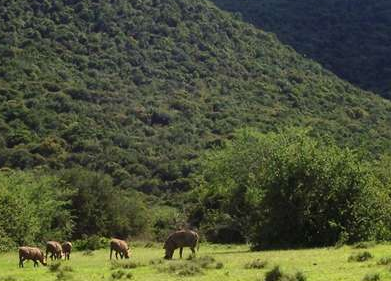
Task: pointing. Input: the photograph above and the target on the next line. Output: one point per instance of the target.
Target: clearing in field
(213, 262)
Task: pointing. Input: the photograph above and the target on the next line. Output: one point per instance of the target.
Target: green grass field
(327, 264)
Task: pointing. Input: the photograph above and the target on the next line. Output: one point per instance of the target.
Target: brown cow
(55, 250)
(119, 246)
(67, 249)
(31, 253)
(180, 239)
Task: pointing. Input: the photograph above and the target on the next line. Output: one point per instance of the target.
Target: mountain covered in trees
(351, 38)
(138, 89)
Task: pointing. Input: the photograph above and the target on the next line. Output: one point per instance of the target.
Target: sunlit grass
(223, 263)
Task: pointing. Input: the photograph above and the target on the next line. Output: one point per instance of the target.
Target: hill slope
(138, 88)
(352, 38)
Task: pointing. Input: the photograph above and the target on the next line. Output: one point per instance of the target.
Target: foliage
(138, 89)
(351, 38)
(276, 274)
(165, 220)
(372, 277)
(384, 261)
(360, 256)
(121, 274)
(364, 245)
(90, 243)
(290, 189)
(101, 209)
(33, 208)
(256, 264)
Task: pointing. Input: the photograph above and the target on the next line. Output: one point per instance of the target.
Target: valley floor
(214, 262)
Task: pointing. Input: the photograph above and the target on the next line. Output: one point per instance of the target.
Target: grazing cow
(180, 239)
(119, 246)
(31, 253)
(55, 250)
(67, 249)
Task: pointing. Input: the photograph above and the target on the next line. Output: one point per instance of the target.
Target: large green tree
(290, 189)
(34, 207)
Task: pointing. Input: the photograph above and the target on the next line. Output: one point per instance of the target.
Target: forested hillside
(352, 38)
(138, 89)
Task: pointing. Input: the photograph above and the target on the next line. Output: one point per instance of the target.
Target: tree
(290, 189)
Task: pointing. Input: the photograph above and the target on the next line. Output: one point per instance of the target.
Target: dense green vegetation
(136, 89)
(32, 208)
(288, 189)
(35, 207)
(351, 38)
(104, 101)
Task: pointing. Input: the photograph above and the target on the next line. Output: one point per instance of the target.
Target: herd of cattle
(178, 239)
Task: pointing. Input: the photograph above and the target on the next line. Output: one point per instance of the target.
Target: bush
(360, 257)
(277, 275)
(124, 265)
(273, 186)
(219, 265)
(182, 269)
(102, 209)
(274, 275)
(54, 267)
(256, 264)
(63, 272)
(33, 207)
(91, 243)
(371, 277)
(364, 245)
(384, 261)
(120, 274)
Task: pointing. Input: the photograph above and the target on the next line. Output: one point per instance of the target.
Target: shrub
(259, 180)
(274, 275)
(299, 276)
(91, 243)
(183, 269)
(124, 265)
(360, 257)
(205, 261)
(63, 272)
(219, 265)
(364, 245)
(371, 277)
(54, 267)
(33, 207)
(277, 275)
(120, 274)
(384, 261)
(256, 264)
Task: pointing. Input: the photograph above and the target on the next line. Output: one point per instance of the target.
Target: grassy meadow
(213, 262)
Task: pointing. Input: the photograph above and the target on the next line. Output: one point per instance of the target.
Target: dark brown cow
(119, 246)
(31, 253)
(180, 239)
(55, 250)
(67, 249)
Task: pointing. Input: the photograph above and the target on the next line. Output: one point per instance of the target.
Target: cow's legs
(192, 250)
(116, 255)
(21, 262)
(111, 253)
(35, 263)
